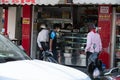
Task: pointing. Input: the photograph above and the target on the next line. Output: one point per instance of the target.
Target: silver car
(16, 65)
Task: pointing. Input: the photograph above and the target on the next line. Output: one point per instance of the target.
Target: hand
(85, 52)
(50, 50)
(41, 48)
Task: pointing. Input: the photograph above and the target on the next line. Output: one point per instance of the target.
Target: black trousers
(45, 46)
(55, 54)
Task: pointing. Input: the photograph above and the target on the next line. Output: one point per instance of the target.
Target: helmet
(42, 26)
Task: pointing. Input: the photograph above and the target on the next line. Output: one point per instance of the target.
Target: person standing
(43, 40)
(93, 45)
(53, 41)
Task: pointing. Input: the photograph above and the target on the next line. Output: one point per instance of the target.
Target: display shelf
(71, 42)
(72, 38)
(74, 43)
(117, 35)
(74, 48)
(56, 20)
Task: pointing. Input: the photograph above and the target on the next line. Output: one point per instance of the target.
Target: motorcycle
(110, 74)
(97, 71)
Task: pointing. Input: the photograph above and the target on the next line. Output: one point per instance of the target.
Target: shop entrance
(49, 15)
(71, 38)
(117, 38)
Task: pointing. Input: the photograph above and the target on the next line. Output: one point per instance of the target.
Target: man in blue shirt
(53, 41)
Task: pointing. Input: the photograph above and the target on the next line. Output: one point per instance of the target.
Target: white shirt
(93, 40)
(43, 36)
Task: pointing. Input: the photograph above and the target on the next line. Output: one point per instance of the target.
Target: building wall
(11, 22)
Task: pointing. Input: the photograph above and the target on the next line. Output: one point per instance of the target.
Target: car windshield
(10, 52)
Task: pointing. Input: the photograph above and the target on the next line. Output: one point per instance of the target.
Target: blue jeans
(92, 57)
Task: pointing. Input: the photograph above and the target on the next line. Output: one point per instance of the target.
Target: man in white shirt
(43, 39)
(94, 45)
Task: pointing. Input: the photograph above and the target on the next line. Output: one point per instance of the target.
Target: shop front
(73, 19)
(49, 15)
(108, 20)
(116, 37)
(20, 11)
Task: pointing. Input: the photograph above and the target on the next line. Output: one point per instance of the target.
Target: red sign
(104, 17)
(104, 22)
(26, 28)
(17, 1)
(26, 21)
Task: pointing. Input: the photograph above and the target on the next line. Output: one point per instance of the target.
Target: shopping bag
(96, 73)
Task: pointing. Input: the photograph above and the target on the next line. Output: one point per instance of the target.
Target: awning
(112, 2)
(29, 2)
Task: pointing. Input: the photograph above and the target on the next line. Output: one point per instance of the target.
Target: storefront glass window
(71, 39)
(117, 42)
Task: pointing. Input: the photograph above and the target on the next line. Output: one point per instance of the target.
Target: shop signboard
(104, 22)
(104, 17)
(29, 2)
(26, 20)
(18, 1)
(104, 9)
(26, 28)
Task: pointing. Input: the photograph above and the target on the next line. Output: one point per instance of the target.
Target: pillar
(11, 22)
(26, 27)
(113, 38)
(6, 20)
(104, 22)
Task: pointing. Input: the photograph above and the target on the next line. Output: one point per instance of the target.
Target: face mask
(57, 34)
(96, 29)
(58, 30)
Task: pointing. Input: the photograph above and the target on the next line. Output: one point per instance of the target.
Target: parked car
(16, 65)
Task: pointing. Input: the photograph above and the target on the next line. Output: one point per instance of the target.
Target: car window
(10, 52)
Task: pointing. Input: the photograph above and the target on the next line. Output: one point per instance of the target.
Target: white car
(16, 65)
